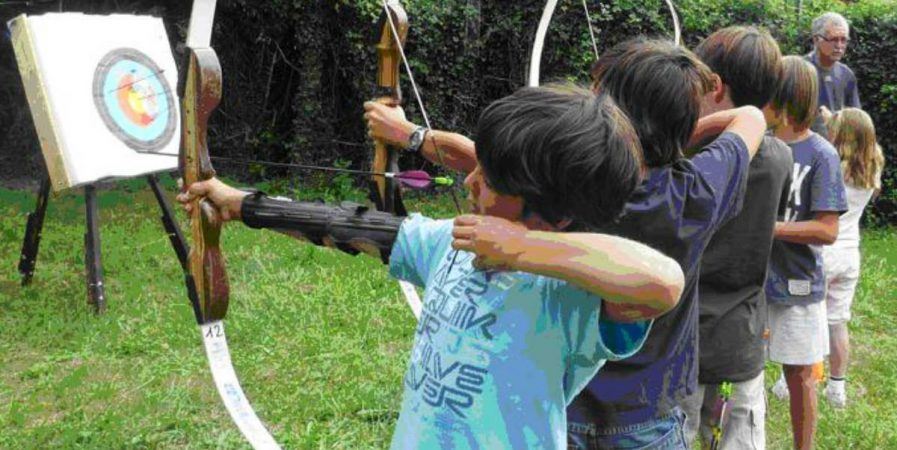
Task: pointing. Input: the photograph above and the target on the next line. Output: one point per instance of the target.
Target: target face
(134, 100)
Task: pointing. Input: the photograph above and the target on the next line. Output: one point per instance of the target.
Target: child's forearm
(812, 232)
(455, 151)
(637, 281)
(747, 122)
(711, 125)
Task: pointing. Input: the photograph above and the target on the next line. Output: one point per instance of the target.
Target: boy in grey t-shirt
(731, 295)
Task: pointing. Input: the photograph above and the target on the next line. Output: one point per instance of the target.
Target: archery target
(133, 100)
(101, 93)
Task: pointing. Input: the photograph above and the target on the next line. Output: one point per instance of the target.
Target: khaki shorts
(744, 427)
(842, 272)
(798, 335)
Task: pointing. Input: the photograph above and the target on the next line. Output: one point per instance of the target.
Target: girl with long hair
(852, 133)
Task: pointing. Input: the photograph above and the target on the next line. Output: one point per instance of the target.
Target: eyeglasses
(839, 39)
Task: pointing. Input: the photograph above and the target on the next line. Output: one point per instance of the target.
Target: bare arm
(747, 122)
(821, 230)
(636, 281)
(388, 123)
(457, 151)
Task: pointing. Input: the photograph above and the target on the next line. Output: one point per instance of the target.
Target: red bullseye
(136, 104)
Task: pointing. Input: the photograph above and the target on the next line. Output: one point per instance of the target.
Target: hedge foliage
(297, 71)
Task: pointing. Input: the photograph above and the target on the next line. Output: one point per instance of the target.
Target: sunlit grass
(319, 338)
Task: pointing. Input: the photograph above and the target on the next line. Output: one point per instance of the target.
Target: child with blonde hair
(852, 133)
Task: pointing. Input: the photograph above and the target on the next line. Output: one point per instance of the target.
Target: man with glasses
(837, 83)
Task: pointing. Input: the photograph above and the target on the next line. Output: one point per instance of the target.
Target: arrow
(413, 179)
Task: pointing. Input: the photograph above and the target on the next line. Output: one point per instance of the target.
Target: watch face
(416, 138)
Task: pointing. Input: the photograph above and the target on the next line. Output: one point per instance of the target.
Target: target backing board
(102, 93)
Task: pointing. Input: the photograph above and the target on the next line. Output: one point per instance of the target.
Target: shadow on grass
(374, 416)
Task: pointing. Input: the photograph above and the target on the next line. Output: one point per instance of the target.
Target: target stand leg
(96, 292)
(171, 227)
(33, 231)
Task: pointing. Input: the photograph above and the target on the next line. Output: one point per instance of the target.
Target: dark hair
(659, 86)
(747, 60)
(568, 153)
(798, 92)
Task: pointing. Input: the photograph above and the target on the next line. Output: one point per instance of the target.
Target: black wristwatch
(416, 139)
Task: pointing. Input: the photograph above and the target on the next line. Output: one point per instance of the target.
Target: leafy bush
(297, 71)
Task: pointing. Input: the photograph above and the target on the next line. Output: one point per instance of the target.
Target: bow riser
(386, 159)
(201, 96)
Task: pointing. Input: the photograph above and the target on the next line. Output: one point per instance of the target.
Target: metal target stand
(96, 291)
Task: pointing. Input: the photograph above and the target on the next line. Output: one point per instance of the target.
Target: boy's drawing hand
(228, 200)
(496, 242)
(388, 124)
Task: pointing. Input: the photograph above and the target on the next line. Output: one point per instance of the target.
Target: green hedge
(296, 72)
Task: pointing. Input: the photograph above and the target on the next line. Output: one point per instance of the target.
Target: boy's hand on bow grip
(226, 199)
(388, 124)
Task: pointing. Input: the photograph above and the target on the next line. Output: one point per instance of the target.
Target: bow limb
(677, 30)
(387, 195)
(535, 61)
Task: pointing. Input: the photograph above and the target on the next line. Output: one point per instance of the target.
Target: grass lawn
(319, 340)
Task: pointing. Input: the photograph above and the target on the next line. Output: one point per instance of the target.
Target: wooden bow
(385, 191)
(207, 278)
(206, 275)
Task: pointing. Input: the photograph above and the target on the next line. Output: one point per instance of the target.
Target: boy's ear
(775, 118)
(719, 89)
(771, 115)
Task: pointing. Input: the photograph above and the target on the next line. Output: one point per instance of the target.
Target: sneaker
(780, 390)
(837, 398)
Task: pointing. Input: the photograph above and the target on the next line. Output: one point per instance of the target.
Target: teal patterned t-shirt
(497, 356)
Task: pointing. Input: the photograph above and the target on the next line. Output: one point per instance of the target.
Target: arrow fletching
(418, 179)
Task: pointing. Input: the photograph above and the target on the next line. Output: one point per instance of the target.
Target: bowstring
(677, 29)
(585, 7)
